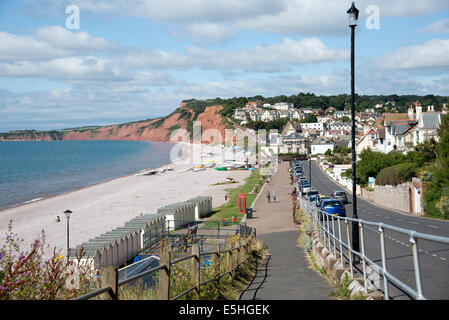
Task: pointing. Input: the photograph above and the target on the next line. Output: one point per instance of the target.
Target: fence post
(196, 268)
(240, 251)
(384, 262)
(164, 275)
(109, 278)
(349, 247)
(229, 257)
(217, 267)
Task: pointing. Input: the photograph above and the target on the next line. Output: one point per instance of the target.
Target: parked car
(305, 187)
(341, 195)
(313, 197)
(321, 198)
(311, 193)
(333, 207)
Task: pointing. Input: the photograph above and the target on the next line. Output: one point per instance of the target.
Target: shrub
(27, 276)
(397, 174)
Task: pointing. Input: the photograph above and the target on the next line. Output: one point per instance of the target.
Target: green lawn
(228, 210)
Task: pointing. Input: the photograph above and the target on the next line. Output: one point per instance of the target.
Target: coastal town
(331, 128)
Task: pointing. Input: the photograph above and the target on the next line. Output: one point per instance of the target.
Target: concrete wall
(393, 197)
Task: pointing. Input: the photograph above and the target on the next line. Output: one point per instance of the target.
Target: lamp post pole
(67, 214)
(310, 171)
(353, 16)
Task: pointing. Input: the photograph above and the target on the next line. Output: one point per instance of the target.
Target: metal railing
(331, 236)
(233, 261)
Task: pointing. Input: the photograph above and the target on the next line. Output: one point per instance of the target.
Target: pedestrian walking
(274, 197)
(268, 196)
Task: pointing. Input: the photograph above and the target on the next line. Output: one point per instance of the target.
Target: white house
(283, 106)
(312, 125)
(321, 145)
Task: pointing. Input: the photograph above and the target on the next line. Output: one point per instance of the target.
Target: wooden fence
(235, 256)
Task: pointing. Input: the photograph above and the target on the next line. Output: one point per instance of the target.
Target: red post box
(242, 203)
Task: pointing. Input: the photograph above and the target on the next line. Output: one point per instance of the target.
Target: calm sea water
(31, 170)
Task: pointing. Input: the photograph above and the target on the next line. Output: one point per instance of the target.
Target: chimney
(410, 112)
(418, 112)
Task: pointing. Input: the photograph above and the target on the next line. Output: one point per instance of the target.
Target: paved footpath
(285, 274)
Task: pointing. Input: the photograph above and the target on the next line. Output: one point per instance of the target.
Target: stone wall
(393, 197)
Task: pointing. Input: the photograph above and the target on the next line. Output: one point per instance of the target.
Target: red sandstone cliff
(149, 130)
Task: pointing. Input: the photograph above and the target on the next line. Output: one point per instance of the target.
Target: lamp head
(353, 15)
(67, 213)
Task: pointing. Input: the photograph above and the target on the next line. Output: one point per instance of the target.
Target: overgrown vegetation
(228, 287)
(436, 176)
(401, 166)
(26, 275)
(340, 155)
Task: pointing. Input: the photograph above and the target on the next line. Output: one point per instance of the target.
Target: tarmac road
(433, 256)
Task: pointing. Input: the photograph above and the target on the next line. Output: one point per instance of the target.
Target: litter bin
(249, 213)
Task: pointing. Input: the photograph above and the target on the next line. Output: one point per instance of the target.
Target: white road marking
(433, 226)
(413, 222)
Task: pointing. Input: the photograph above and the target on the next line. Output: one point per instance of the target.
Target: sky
(73, 63)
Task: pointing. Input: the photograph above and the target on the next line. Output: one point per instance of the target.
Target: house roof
(388, 117)
(430, 120)
(321, 140)
(399, 127)
(381, 132)
(293, 135)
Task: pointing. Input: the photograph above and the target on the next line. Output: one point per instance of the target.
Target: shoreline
(44, 197)
(73, 190)
(104, 206)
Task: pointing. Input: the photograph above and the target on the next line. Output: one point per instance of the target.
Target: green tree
(436, 195)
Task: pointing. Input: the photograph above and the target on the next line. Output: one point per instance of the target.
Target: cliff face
(149, 130)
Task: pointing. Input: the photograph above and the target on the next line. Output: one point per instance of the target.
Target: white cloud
(209, 33)
(60, 37)
(275, 57)
(49, 42)
(432, 55)
(441, 26)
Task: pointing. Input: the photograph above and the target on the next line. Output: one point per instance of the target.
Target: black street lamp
(353, 16)
(67, 215)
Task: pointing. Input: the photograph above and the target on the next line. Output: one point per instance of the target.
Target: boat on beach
(146, 172)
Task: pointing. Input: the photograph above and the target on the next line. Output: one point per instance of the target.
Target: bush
(27, 276)
(397, 174)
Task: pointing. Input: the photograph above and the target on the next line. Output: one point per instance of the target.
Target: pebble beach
(102, 207)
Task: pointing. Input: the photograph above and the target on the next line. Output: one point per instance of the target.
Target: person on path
(268, 196)
(274, 196)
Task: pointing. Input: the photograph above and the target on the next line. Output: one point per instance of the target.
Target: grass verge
(227, 210)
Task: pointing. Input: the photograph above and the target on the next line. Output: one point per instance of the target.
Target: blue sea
(31, 170)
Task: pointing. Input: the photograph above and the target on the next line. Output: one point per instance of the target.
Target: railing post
(109, 278)
(333, 237)
(339, 239)
(195, 267)
(365, 284)
(414, 244)
(349, 247)
(229, 257)
(217, 266)
(384, 260)
(164, 275)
